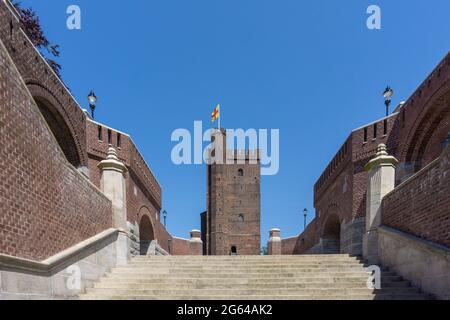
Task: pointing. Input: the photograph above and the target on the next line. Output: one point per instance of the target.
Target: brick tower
(231, 224)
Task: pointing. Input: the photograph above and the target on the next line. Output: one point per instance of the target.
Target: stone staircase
(323, 277)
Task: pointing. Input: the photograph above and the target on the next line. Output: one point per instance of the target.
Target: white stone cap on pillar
(112, 162)
(382, 158)
(275, 234)
(196, 236)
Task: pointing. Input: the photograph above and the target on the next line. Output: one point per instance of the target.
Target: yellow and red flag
(216, 114)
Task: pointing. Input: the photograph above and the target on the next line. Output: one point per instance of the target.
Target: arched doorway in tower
(331, 236)
(60, 130)
(146, 234)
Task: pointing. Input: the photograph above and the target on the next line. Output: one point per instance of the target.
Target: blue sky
(309, 68)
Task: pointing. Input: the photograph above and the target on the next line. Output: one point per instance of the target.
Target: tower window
(365, 134)
(385, 127)
(119, 142)
(109, 136)
(240, 172)
(100, 136)
(241, 217)
(375, 127)
(233, 251)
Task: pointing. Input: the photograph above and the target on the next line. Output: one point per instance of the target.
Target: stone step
(279, 281)
(236, 275)
(136, 264)
(243, 292)
(248, 258)
(313, 277)
(232, 271)
(265, 298)
(242, 286)
(237, 280)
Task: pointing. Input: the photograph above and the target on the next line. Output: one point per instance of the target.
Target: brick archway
(331, 231)
(67, 126)
(60, 130)
(426, 127)
(146, 233)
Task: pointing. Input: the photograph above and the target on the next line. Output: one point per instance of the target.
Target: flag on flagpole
(216, 114)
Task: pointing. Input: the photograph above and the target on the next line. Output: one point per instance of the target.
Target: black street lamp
(164, 217)
(92, 102)
(387, 94)
(305, 214)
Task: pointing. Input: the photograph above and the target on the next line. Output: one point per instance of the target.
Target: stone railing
(154, 249)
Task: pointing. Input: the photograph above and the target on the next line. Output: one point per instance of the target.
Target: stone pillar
(381, 181)
(274, 245)
(112, 184)
(196, 243)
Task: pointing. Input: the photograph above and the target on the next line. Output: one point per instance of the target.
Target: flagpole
(219, 115)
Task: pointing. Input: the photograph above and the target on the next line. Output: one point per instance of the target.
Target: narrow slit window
(100, 136)
(365, 134)
(119, 140)
(375, 127)
(385, 128)
(109, 136)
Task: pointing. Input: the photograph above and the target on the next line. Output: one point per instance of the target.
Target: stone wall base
(65, 275)
(352, 236)
(424, 263)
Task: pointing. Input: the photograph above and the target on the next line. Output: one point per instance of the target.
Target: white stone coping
(376, 121)
(57, 262)
(289, 238)
(423, 243)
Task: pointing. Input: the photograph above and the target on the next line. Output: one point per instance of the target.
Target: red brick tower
(231, 224)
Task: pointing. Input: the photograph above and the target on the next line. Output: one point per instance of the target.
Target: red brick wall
(362, 152)
(180, 247)
(421, 205)
(343, 184)
(46, 206)
(302, 243)
(45, 85)
(143, 191)
(424, 120)
(288, 246)
(128, 153)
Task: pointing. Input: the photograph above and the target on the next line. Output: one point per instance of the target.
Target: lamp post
(387, 94)
(164, 217)
(305, 214)
(92, 102)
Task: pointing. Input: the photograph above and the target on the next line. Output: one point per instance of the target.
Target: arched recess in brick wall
(432, 126)
(58, 122)
(146, 230)
(331, 231)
